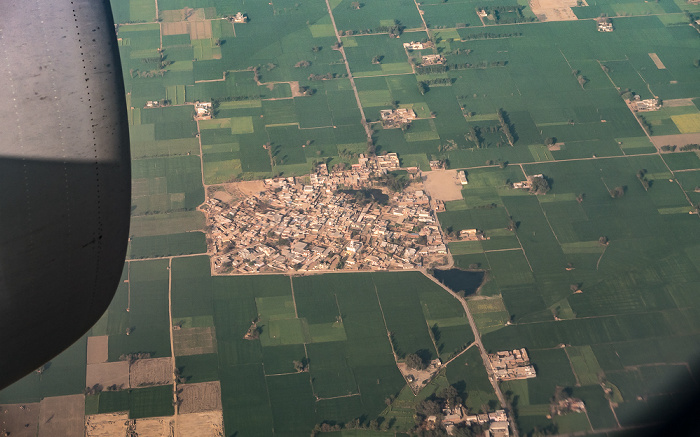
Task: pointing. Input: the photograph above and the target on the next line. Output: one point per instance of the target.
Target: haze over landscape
(396, 217)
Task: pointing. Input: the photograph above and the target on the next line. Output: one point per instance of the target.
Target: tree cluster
(490, 35)
(496, 11)
(302, 64)
(641, 175)
(540, 185)
(414, 361)
(617, 192)
(327, 76)
(505, 125)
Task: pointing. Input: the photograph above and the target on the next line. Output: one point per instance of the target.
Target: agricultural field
(597, 278)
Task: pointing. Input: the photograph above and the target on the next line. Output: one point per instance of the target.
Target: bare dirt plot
(443, 185)
(208, 424)
(248, 188)
(175, 28)
(194, 341)
(15, 417)
(106, 425)
(672, 103)
(676, 140)
(62, 415)
(199, 397)
(108, 374)
(296, 92)
(151, 371)
(200, 29)
(223, 196)
(97, 349)
(654, 57)
(154, 427)
(554, 10)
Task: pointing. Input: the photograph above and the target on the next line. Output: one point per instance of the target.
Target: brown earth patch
(106, 425)
(97, 349)
(155, 427)
(671, 103)
(151, 371)
(294, 85)
(62, 416)
(175, 28)
(200, 29)
(655, 58)
(15, 417)
(108, 374)
(554, 10)
(676, 140)
(443, 185)
(247, 188)
(199, 397)
(207, 424)
(194, 341)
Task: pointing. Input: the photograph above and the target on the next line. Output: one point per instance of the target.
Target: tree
(356, 5)
(377, 59)
(540, 185)
(428, 407)
(316, 49)
(579, 198)
(603, 240)
(617, 192)
(550, 141)
(413, 361)
(582, 80)
(451, 396)
(512, 224)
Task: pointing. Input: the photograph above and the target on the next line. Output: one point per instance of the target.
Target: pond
(460, 280)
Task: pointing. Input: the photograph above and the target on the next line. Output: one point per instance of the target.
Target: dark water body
(458, 280)
(370, 194)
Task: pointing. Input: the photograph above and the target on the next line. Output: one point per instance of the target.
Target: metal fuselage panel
(64, 176)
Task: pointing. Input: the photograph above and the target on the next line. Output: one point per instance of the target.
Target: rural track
(484, 356)
(341, 49)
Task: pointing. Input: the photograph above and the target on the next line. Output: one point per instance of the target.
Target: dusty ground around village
(443, 185)
(151, 371)
(554, 10)
(199, 397)
(421, 377)
(194, 341)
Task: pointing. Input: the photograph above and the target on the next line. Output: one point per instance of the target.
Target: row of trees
(505, 125)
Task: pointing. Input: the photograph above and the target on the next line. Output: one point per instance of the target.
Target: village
(327, 221)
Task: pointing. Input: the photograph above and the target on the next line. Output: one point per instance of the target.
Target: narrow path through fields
(172, 342)
(341, 49)
(484, 355)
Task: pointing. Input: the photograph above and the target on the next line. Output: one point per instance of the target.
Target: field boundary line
(432, 338)
(337, 397)
(456, 356)
(176, 404)
(568, 357)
